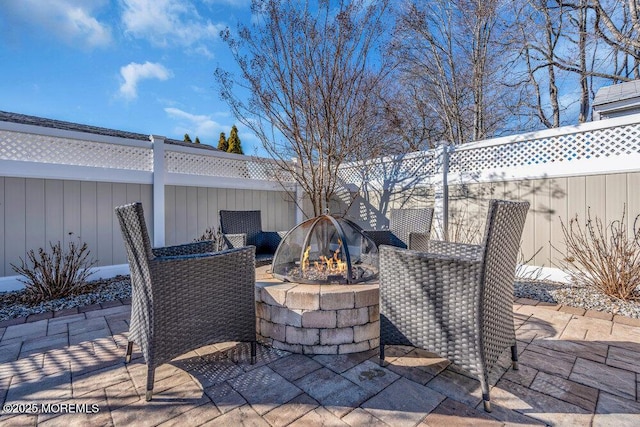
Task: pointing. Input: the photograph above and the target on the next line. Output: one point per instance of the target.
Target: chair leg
(486, 398)
(381, 362)
(150, 377)
(127, 357)
(253, 352)
(487, 404)
(514, 357)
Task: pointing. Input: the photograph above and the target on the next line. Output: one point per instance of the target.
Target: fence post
(158, 189)
(441, 196)
(299, 202)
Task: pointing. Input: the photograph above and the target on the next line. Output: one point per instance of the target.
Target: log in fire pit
(326, 250)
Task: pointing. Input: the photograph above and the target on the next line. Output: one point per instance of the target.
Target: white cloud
(70, 20)
(196, 125)
(168, 22)
(133, 73)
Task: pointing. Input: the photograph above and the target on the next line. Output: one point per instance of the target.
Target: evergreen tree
(187, 138)
(235, 146)
(197, 141)
(222, 143)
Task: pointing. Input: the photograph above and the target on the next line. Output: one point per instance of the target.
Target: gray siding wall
(553, 201)
(36, 211)
(190, 210)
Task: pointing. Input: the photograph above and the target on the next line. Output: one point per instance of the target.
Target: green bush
(55, 273)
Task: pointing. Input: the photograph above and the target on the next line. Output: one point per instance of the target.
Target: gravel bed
(576, 296)
(119, 287)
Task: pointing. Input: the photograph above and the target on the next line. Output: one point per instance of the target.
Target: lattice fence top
(572, 147)
(207, 165)
(393, 170)
(49, 149)
(588, 147)
(67, 151)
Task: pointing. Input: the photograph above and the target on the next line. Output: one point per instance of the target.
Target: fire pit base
(317, 319)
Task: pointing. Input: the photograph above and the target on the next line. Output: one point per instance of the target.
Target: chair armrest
(233, 241)
(445, 273)
(271, 240)
(455, 250)
(419, 241)
(384, 237)
(186, 249)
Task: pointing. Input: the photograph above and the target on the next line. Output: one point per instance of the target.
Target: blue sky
(136, 65)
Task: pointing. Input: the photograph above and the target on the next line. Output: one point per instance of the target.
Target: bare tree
(539, 27)
(315, 85)
(446, 51)
(569, 47)
(618, 24)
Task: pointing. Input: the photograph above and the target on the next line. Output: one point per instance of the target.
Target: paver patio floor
(575, 369)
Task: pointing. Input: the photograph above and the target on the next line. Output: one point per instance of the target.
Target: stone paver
(403, 403)
(615, 411)
(612, 380)
(575, 369)
(451, 413)
(569, 391)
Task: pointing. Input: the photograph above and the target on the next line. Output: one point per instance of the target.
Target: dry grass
(55, 274)
(606, 258)
(462, 228)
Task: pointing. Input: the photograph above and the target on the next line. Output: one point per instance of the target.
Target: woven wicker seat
(408, 229)
(185, 297)
(242, 228)
(456, 300)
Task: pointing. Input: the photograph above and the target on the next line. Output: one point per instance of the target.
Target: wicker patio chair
(408, 229)
(456, 300)
(185, 297)
(242, 228)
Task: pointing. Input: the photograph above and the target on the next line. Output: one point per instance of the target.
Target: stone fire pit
(317, 319)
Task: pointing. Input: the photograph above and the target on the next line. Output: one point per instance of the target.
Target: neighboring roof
(58, 124)
(617, 92)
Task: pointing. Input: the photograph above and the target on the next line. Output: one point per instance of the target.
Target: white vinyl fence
(562, 172)
(57, 185)
(60, 185)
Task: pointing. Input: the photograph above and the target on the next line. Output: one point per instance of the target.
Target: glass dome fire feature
(326, 250)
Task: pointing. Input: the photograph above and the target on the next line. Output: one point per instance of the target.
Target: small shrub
(55, 274)
(462, 228)
(610, 263)
(526, 272)
(210, 234)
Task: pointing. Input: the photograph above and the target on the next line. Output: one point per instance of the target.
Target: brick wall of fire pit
(317, 319)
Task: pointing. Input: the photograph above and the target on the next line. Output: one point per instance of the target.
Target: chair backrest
(136, 241)
(503, 231)
(235, 222)
(404, 221)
